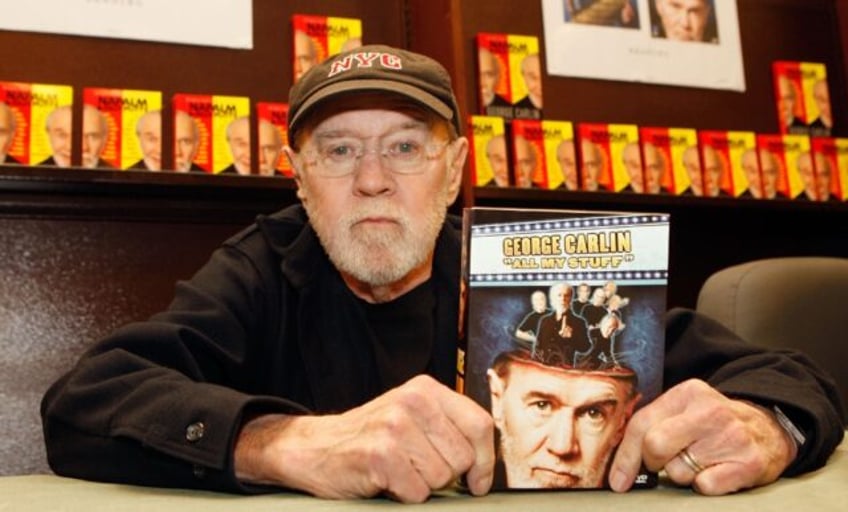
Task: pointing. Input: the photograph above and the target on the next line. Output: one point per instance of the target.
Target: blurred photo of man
(654, 167)
(751, 170)
(713, 171)
(8, 127)
(58, 127)
(769, 170)
(489, 70)
(808, 177)
(186, 143)
(692, 164)
(270, 147)
(822, 124)
(531, 72)
(632, 160)
(306, 54)
(525, 163)
(591, 165)
(148, 130)
(567, 160)
(238, 139)
(496, 155)
(684, 20)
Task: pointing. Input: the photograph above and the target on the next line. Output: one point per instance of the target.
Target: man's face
(525, 162)
(769, 170)
(808, 178)
(186, 141)
(59, 135)
(496, 153)
(823, 176)
(653, 168)
(270, 148)
(238, 137)
(684, 20)
(751, 168)
(821, 95)
(568, 163)
(7, 130)
(591, 164)
(531, 70)
(633, 164)
(692, 163)
(305, 54)
(94, 132)
(150, 139)
(539, 302)
(583, 292)
(558, 428)
(489, 74)
(561, 297)
(712, 171)
(785, 100)
(378, 227)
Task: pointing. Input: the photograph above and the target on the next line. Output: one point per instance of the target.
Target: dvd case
(122, 129)
(489, 159)
(610, 158)
(38, 119)
(730, 164)
(561, 336)
(509, 76)
(802, 98)
(786, 165)
(211, 134)
(671, 161)
(272, 131)
(316, 38)
(830, 156)
(544, 154)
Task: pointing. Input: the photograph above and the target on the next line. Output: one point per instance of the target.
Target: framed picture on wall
(692, 43)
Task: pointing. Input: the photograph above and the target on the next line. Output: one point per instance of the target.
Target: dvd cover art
(509, 76)
(830, 158)
(802, 98)
(786, 165)
(272, 131)
(671, 160)
(211, 134)
(36, 123)
(544, 154)
(316, 38)
(122, 129)
(730, 164)
(489, 160)
(565, 307)
(610, 158)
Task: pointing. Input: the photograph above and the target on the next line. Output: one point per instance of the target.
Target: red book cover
(802, 98)
(830, 158)
(488, 147)
(36, 123)
(509, 76)
(671, 161)
(544, 154)
(122, 129)
(610, 158)
(729, 164)
(272, 130)
(787, 167)
(211, 134)
(316, 38)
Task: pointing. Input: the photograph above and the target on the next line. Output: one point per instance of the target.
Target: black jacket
(267, 325)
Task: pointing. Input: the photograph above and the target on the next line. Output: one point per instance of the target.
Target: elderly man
(316, 350)
(8, 126)
(685, 20)
(95, 132)
(59, 128)
(148, 131)
(186, 143)
(270, 147)
(238, 140)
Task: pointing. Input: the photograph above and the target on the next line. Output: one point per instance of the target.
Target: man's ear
(496, 389)
(295, 164)
(456, 167)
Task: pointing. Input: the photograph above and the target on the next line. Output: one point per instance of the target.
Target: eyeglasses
(339, 157)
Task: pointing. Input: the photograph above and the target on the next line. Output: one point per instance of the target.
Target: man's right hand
(412, 440)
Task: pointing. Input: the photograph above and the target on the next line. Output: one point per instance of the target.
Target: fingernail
(618, 480)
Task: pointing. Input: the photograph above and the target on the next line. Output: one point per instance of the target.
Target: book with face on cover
(509, 76)
(802, 98)
(730, 165)
(830, 157)
(671, 160)
(488, 148)
(544, 154)
(212, 134)
(272, 131)
(610, 158)
(122, 129)
(316, 38)
(561, 336)
(36, 123)
(787, 168)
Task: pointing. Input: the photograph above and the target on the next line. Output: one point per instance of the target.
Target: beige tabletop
(823, 490)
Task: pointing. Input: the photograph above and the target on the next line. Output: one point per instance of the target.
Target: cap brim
(410, 91)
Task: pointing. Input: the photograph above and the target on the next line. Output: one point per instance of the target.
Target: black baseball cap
(374, 68)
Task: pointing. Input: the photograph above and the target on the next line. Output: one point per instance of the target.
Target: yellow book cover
(316, 38)
(212, 134)
(610, 158)
(543, 154)
(509, 75)
(787, 167)
(802, 98)
(36, 123)
(489, 161)
(122, 128)
(671, 161)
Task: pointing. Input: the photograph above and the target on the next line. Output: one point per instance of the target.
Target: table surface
(820, 491)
